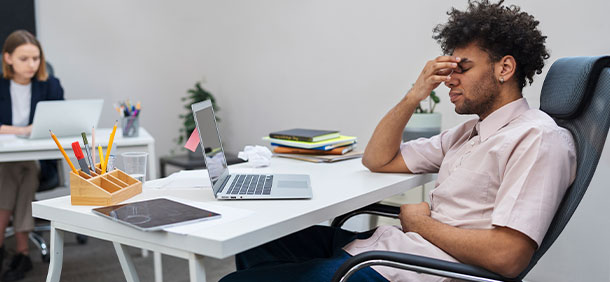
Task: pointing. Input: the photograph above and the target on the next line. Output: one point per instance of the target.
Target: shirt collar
(501, 117)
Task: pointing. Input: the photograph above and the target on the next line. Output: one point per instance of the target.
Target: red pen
(80, 157)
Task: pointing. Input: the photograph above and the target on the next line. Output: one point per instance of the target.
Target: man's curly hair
(499, 31)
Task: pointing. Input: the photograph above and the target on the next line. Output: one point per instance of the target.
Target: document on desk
(228, 214)
(7, 138)
(183, 179)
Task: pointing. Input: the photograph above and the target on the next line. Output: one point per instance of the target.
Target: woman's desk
(337, 188)
(13, 148)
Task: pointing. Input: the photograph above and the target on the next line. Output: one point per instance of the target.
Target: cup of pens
(130, 123)
(130, 126)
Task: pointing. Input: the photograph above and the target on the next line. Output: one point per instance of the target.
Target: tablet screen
(155, 214)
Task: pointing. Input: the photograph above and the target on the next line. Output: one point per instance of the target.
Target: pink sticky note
(193, 141)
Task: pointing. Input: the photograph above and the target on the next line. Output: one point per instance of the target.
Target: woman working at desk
(24, 83)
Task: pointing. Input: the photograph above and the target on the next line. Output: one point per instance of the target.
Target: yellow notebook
(320, 145)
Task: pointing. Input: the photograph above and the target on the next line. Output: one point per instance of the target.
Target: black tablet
(156, 214)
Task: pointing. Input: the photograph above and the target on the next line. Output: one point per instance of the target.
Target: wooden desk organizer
(100, 189)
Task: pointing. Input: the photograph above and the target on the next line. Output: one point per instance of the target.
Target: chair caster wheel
(81, 239)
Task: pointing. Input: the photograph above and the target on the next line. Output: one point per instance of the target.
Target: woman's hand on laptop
(25, 130)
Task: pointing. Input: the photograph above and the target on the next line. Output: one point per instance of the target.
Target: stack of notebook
(313, 145)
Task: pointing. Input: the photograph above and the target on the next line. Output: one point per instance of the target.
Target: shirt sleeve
(423, 155)
(537, 174)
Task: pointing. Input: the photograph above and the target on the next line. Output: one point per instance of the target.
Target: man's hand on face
(411, 214)
(434, 73)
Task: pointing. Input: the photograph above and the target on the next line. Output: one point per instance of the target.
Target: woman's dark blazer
(41, 91)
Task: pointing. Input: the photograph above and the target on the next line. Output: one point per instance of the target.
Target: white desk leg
(158, 267)
(196, 268)
(152, 161)
(57, 254)
(126, 263)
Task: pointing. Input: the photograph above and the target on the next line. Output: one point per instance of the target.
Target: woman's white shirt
(21, 98)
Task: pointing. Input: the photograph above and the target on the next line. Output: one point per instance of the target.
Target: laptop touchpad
(292, 184)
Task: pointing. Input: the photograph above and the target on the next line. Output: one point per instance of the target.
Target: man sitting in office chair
(500, 179)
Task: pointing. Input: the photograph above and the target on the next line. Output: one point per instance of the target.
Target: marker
(88, 151)
(79, 156)
(63, 152)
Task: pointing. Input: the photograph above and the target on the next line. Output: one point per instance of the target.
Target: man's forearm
(385, 142)
(383, 147)
(493, 249)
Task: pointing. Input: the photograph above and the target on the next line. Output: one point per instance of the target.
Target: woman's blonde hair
(16, 39)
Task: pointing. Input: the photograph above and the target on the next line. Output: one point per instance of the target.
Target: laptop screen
(210, 141)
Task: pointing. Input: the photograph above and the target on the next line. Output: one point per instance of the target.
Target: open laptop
(65, 117)
(241, 186)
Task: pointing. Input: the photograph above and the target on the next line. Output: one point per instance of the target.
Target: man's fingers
(448, 58)
(438, 78)
(444, 72)
(444, 68)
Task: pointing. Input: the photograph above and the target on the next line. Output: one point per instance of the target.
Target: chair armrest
(415, 263)
(376, 209)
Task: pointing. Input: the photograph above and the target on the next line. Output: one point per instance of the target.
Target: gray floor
(97, 261)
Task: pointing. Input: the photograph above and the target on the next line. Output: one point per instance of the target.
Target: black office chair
(576, 93)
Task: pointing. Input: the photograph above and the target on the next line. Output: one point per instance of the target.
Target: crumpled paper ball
(257, 156)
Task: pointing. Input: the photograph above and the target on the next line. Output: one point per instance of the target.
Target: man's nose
(452, 82)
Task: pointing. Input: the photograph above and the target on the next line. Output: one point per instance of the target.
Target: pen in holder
(130, 126)
(102, 189)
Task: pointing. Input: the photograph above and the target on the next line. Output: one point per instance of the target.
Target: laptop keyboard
(251, 185)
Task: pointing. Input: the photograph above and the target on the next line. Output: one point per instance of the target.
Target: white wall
(286, 63)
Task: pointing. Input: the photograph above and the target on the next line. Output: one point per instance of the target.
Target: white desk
(18, 149)
(337, 188)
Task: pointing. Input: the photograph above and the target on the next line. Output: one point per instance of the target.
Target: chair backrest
(576, 94)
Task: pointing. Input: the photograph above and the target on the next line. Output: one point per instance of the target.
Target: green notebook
(310, 145)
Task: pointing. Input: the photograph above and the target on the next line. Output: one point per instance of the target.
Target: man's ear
(505, 68)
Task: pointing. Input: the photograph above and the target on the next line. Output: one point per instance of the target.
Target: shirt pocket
(464, 194)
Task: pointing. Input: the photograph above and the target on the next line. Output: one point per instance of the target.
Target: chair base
(36, 237)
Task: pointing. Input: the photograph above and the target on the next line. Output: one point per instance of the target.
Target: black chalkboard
(16, 14)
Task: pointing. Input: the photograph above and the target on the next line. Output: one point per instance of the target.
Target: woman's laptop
(241, 186)
(65, 117)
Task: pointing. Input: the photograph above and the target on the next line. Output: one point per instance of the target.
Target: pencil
(110, 145)
(63, 152)
(93, 145)
(101, 159)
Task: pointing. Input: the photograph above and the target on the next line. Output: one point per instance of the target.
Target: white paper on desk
(7, 138)
(227, 214)
(183, 179)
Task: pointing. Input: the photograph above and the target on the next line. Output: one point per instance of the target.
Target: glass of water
(134, 164)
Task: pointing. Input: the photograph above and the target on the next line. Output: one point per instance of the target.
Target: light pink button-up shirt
(511, 169)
